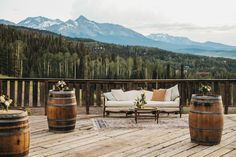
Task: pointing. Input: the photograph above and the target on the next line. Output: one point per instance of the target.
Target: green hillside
(32, 53)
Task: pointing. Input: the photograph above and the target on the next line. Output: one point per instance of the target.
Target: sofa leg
(104, 111)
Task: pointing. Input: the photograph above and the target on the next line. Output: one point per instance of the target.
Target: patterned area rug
(119, 123)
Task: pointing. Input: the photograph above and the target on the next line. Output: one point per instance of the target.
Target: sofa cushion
(120, 103)
(130, 104)
(119, 94)
(159, 95)
(174, 92)
(118, 109)
(163, 104)
(133, 94)
(168, 94)
(109, 96)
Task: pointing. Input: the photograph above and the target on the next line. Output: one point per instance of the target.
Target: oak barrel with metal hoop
(61, 111)
(14, 133)
(206, 119)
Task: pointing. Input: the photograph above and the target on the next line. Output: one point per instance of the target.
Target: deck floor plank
(158, 144)
(142, 141)
(85, 141)
(228, 138)
(73, 142)
(230, 154)
(103, 146)
(188, 146)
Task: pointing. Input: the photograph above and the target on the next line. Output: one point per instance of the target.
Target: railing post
(227, 90)
(234, 94)
(4, 87)
(180, 93)
(12, 90)
(28, 96)
(183, 93)
(92, 88)
(19, 93)
(87, 97)
(98, 94)
(230, 94)
(0, 87)
(26, 93)
(35, 93)
(129, 86)
(105, 87)
(77, 93)
(46, 97)
(42, 93)
(156, 85)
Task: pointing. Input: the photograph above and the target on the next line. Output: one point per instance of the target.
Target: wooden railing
(33, 92)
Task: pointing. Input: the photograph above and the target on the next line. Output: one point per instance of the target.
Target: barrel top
(61, 92)
(206, 97)
(12, 114)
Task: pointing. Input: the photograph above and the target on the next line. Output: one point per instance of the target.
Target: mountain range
(117, 34)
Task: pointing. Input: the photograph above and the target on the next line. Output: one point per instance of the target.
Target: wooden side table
(146, 112)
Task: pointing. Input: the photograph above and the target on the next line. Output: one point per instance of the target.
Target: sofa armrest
(177, 100)
(105, 100)
(104, 104)
(180, 106)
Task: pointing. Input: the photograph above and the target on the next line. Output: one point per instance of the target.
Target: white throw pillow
(109, 96)
(119, 94)
(133, 94)
(148, 95)
(168, 94)
(174, 92)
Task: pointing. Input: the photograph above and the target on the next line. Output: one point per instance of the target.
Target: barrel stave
(14, 134)
(206, 120)
(61, 111)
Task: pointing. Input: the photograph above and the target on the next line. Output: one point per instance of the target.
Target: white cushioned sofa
(119, 101)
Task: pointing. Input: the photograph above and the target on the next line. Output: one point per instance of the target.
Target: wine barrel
(14, 133)
(206, 119)
(61, 111)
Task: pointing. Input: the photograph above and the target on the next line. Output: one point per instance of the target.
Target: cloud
(186, 27)
(17, 10)
(222, 34)
(198, 19)
(128, 13)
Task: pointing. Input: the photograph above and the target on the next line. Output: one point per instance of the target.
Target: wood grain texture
(89, 92)
(87, 142)
(14, 133)
(61, 111)
(206, 119)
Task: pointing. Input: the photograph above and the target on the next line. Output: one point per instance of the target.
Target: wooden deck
(86, 141)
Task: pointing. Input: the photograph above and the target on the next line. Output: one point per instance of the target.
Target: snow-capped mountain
(117, 34)
(5, 22)
(170, 39)
(39, 22)
(185, 45)
(84, 28)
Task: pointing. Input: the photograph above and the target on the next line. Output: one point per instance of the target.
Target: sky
(199, 20)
